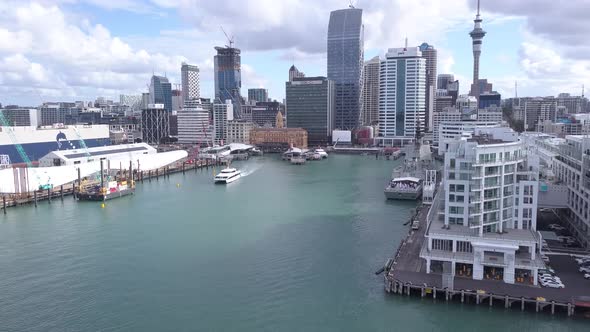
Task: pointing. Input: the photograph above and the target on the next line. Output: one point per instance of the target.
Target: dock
(74, 188)
(405, 274)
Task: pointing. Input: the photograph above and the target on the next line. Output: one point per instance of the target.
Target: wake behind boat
(227, 175)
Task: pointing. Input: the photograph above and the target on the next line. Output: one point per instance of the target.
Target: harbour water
(286, 248)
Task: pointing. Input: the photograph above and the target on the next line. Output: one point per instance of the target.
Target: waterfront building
(93, 154)
(161, 92)
(311, 106)
(370, 98)
(189, 77)
(402, 87)
(571, 166)
(487, 224)
(278, 139)
(193, 124)
(345, 65)
(222, 113)
(477, 35)
(537, 110)
(295, 73)
(430, 54)
(443, 80)
(155, 123)
(257, 95)
(453, 123)
(238, 131)
(18, 116)
(228, 77)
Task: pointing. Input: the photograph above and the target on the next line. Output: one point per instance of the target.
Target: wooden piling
(462, 296)
(491, 299)
(4, 203)
(74, 189)
(49, 195)
(477, 299)
(183, 167)
(35, 197)
(61, 190)
(552, 307)
(434, 292)
(506, 303)
(522, 304)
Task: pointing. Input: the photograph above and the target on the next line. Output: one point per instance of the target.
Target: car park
(582, 260)
(554, 285)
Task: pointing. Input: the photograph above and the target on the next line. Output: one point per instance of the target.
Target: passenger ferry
(322, 153)
(227, 175)
(405, 188)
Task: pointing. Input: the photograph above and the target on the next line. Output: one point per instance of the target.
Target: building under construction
(228, 76)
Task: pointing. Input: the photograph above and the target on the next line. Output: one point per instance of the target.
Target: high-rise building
(430, 54)
(310, 105)
(477, 35)
(18, 116)
(490, 192)
(370, 96)
(189, 76)
(572, 104)
(443, 80)
(193, 124)
(238, 131)
(228, 77)
(258, 94)
(453, 90)
(177, 102)
(482, 87)
(345, 65)
(538, 110)
(161, 92)
(222, 113)
(52, 113)
(488, 99)
(155, 123)
(402, 85)
(294, 72)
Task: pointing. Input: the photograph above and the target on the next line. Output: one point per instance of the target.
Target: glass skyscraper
(345, 65)
(228, 77)
(161, 92)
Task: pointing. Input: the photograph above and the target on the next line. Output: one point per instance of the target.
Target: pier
(405, 274)
(74, 188)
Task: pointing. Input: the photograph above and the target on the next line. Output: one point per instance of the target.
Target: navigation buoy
(102, 205)
(178, 185)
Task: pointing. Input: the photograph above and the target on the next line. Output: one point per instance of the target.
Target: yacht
(409, 188)
(322, 153)
(227, 175)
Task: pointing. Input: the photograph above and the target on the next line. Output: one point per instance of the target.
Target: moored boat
(404, 188)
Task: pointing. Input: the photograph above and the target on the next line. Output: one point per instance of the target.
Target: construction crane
(229, 39)
(21, 151)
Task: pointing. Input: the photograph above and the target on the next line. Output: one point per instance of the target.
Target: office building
(537, 110)
(278, 139)
(430, 54)
(370, 98)
(311, 106)
(161, 92)
(177, 102)
(54, 113)
(572, 104)
(490, 99)
(295, 73)
(452, 123)
(443, 80)
(228, 77)
(486, 228)
(189, 77)
(442, 101)
(466, 103)
(482, 87)
(402, 91)
(262, 114)
(222, 113)
(155, 123)
(477, 35)
(238, 131)
(345, 65)
(257, 95)
(193, 124)
(18, 117)
(453, 91)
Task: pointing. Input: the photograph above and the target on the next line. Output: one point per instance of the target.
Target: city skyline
(88, 52)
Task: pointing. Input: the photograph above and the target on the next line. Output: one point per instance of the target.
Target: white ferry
(227, 175)
(409, 188)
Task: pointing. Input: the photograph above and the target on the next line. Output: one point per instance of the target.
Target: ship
(39, 141)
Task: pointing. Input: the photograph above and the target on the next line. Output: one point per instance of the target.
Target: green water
(286, 248)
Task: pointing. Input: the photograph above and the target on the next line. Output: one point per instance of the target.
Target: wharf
(13, 200)
(406, 275)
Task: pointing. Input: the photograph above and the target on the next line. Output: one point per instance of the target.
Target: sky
(67, 50)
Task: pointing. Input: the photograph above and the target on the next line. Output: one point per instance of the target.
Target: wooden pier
(72, 188)
(405, 274)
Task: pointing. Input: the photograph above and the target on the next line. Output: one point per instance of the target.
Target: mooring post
(537, 305)
(462, 296)
(4, 203)
(74, 189)
(434, 292)
(183, 167)
(552, 307)
(491, 299)
(49, 195)
(35, 197)
(61, 189)
(506, 301)
(477, 299)
(422, 291)
(522, 304)
(157, 173)
(150, 175)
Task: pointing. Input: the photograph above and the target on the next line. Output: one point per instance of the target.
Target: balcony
(474, 198)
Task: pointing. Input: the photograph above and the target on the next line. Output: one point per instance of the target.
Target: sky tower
(477, 35)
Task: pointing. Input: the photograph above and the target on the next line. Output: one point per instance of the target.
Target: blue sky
(105, 48)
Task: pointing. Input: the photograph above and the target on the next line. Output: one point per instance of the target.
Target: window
(445, 245)
(455, 209)
(460, 188)
(452, 163)
(460, 198)
(464, 246)
(452, 188)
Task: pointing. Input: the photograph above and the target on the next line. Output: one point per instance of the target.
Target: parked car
(584, 269)
(587, 276)
(554, 285)
(582, 260)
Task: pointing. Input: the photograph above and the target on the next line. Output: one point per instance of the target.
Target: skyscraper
(345, 64)
(402, 86)
(310, 105)
(443, 80)
(260, 95)
(190, 82)
(477, 35)
(161, 92)
(429, 53)
(222, 113)
(370, 96)
(228, 77)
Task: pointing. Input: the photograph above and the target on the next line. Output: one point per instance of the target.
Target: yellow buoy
(102, 205)
(178, 185)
